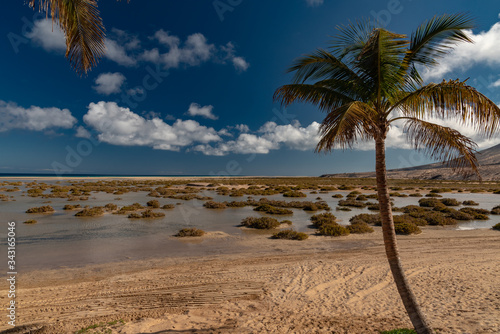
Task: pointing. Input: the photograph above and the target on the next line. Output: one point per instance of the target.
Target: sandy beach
(321, 285)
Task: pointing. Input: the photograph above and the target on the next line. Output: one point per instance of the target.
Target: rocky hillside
(489, 161)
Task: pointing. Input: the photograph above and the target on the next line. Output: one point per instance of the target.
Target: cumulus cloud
(47, 35)
(109, 83)
(196, 110)
(314, 3)
(33, 118)
(118, 54)
(120, 126)
(484, 50)
(81, 132)
(240, 64)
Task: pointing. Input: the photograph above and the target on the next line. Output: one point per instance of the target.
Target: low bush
(72, 207)
(407, 228)
(290, 235)
(111, 207)
(322, 219)
(416, 195)
(400, 331)
(90, 212)
(30, 221)
(359, 228)
(428, 202)
(440, 190)
(262, 223)
(41, 209)
(449, 201)
(273, 210)
(214, 205)
(371, 219)
(190, 232)
(496, 210)
(129, 208)
(434, 218)
(337, 196)
(406, 218)
(168, 206)
(433, 195)
(414, 208)
(146, 214)
(459, 215)
(470, 203)
(478, 214)
(333, 230)
(153, 203)
(352, 203)
(294, 194)
(342, 208)
(496, 227)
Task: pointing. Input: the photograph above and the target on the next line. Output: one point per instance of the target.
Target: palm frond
(83, 29)
(351, 39)
(442, 143)
(346, 125)
(325, 98)
(452, 99)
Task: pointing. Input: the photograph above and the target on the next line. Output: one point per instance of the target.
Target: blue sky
(186, 87)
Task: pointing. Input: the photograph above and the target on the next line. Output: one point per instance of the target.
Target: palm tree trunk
(391, 248)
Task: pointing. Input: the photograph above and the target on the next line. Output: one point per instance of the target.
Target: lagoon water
(61, 239)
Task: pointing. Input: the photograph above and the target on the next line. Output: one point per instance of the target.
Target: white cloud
(33, 118)
(165, 38)
(196, 110)
(314, 3)
(81, 132)
(121, 126)
(135, 91)
(47, 35)
(484, 51)
(117, 53)
(109, 83)
(496, 83)
(240, 64)
(242, 128)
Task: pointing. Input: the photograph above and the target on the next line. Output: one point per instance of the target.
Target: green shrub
(190, 232)
(273, 210)
(290, 235)
(154, 204)
(311, 207)
(322, 219)
(371, 219)
(294, 194)
(30, 221)
(41, 209)
(429, 202)
(496, 227)
(479, 214)
(337, 196)
(352, 203)
(406, 218)
(496, 210)
(433, 195)
(262, 223)
(359, 228)
(90, 212)
(440, 190)
(236, 204)
(416, 195)
(342, 208)
(414, 208)
(459, 215)
(129, 208)
(214, 205)
(168, 206)
(146, 214)
(470, 203)
(449, 201)
(407, 228)
(72, 207)
(400, 331)
(111, 207)
(434, 218)
(333, 230)
(361, 198)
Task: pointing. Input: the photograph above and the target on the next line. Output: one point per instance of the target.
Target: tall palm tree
(82, 27)
(368, 80)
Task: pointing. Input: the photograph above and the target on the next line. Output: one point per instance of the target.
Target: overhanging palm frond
(452, 99)
(351, 39)
(323, 97)
(83, 29)
(345, 125)
(443, 144)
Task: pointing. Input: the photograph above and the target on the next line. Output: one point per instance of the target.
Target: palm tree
(82, 27)
(367, 81)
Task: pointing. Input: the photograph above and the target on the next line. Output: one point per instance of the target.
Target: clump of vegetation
(90, 212)
(400, 331)
(459, 215)
(406, 218)
(190, 232)
(294, 194)
(262, 223)
(72, 207)
(496, 227)
(30, 221)
(290, 235)
(371, 219)
(415, 195)
(338, 196)
(479, 214)
(322, 219)
(471, 203)
(433, 195)
(41, 209)
(111, 207)
(359, 227)
(168, 206)
(434, 218)
(155, 204)
(342, 208)
(129, 208)
(428, 202)
(146, 214)
(407, 228)
(214, 205)
(333, 230)
(496, 210)
(449, 201)
(440, 190)
(273, 210)
(352, 203)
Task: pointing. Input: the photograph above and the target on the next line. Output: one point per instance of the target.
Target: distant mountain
(489, 161)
